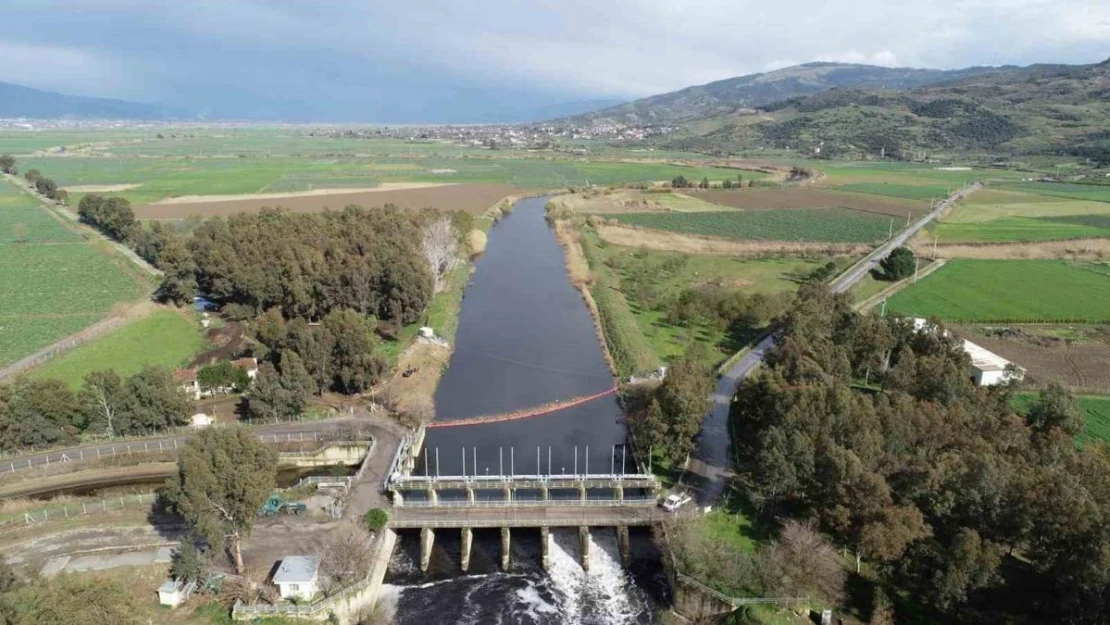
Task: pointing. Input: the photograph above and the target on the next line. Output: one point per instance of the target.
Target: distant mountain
(756, 90)
(19, 101)
(1040, 109)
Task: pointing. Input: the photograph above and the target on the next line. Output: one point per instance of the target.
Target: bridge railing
(508, 479)
(531, 503)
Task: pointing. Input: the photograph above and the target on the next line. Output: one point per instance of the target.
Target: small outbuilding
(298, 577)
(200, 420)
(175, 592)
(187, 380)
(427, 332)
(990, 369)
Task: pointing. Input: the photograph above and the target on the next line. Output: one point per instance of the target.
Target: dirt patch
(382, 188)
(809, 197)
(226, 342)
(101, 188)
(1077, 249)
(424, 361)
(472, 198)
(1075, 356)
(689, 244)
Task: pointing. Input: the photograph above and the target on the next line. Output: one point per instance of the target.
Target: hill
(20, 101)
(1040, 109)
(734, 95)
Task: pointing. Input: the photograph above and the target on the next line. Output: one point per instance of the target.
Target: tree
(345, 557)
(801, 562)
(1055, 408)
(375, 519)
(221, 375)
(314, 345)
(103, 398)
(899, 264)
(354, 364)
(46, 187)
(440, 246)
(281, 395)
(7, 163)
(19, 232)
(154, 401)
(32, 176)
(684, 400)
(72, 600)
(189, 564)
(37, 413)
(223, 477)
(704, 183)
(179, 285)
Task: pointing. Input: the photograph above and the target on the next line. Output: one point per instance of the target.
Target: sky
(453, 61)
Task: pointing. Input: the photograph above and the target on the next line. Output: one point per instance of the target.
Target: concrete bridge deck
(496, 514)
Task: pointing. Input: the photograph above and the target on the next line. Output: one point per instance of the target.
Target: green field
(1096, 410)
(826, 225)
(165, 338)
(1025, 229)
(907, 191)
(1009, 291)
(54, 281)
(1095, 193)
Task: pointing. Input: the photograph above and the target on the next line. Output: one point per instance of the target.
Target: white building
(297, 577)
(988, 368)
(174, 592)
(200, 420)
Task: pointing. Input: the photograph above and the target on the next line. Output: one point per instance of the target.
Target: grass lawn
(55, 281)
(166, 338)
(831, 225)
(1096, 409)
(1009, 291)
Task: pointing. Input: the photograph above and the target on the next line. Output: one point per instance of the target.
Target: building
(200, 420)
(187, 378)
(174, 592)
(990, 369)
(250, 365)
(297, 577)
(987, 367)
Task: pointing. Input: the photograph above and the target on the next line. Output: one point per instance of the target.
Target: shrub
(375, 519)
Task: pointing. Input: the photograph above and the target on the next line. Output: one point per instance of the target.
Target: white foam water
(604, 595)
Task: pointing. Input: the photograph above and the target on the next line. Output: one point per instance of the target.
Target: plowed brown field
(472, 198)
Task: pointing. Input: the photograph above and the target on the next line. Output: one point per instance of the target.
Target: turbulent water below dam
(525, 338)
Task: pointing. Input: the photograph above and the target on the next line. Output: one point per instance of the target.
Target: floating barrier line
(523, 414)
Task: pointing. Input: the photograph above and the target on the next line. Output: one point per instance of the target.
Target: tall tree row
(876, 431)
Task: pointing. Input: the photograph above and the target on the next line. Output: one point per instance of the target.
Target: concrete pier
(584, 546)
(505, 549)
(545, 547)
(622, 542)
(467, 538)
(427, 539)
(582, 493)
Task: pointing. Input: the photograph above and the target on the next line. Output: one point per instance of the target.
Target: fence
(76, 510)
(649, 502)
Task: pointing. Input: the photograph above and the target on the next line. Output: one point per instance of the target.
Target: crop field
(472, 198)
(908, 191)
(54, 281)
(812, 197)
(166, 338)
(1000, 216)
(1096, 415)
(834, 225)
(1094, 193)
(1014, 291)
(912, 174)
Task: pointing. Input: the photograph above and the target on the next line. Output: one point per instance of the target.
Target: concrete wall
(336, 453)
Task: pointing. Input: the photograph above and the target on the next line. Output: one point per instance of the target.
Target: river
(525, 338)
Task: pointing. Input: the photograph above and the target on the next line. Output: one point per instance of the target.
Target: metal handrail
(635, 502)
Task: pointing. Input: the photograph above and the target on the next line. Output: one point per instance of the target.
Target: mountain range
(20, 101)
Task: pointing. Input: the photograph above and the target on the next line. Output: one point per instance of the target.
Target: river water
(525, 338)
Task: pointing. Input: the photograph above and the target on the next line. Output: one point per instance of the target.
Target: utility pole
(882, 312)
(935, 237)
(891, 234)
(916, 266)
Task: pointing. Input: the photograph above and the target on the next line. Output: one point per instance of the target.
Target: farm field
(834, 225)
(56, 282)
(645, 284)
(1094, 193)
(165, 338)
(1096, 413)
(1009, 291)
(1077, 356)
(812, 197)
(908, 191)
(472, 198)
(1002, 215)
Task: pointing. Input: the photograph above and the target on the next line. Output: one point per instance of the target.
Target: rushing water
(525, 338)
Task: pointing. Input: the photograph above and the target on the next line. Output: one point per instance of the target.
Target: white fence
(75, 510)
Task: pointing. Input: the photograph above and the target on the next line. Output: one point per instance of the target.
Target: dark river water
(525, 338)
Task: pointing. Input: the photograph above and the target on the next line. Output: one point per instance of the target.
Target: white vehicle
(675, 501)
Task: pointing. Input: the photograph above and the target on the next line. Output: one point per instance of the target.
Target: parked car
(674, 501)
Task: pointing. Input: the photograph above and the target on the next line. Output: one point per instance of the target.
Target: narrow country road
(711, 464)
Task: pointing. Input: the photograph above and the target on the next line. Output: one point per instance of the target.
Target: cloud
(395, 59)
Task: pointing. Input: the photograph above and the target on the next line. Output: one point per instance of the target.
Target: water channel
(525, 338)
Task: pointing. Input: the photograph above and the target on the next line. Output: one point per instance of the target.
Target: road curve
(711, 464)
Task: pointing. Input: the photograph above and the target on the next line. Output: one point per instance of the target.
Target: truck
(276, 504)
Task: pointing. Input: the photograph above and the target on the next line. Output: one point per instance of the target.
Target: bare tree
(345, 558)
(803, 562)
(440, 247)
(19, 232)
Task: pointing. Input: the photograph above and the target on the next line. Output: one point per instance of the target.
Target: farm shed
(297, 577)
(175, 591)
(990, 369)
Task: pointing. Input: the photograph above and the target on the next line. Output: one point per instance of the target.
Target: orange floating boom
(523, 414)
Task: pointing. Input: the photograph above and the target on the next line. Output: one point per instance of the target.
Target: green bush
(375, 519)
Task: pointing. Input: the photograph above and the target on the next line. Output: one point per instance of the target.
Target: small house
(175, 592)
(990, 369)
(297, 577)
(187, 379)
(428, 333)
(200, 420)
(250, 365)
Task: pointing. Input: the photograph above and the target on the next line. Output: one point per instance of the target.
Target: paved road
(711, 465)
(279, 432)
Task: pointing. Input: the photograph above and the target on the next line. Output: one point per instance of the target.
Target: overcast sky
(449, 60)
